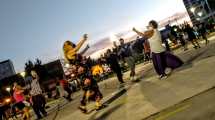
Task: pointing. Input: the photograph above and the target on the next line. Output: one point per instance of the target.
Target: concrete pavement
(200, 107)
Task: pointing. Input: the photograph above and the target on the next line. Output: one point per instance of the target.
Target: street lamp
(7, 100)
(198, 19)
(23, 74)
(192, 9)
(200, 14)
(8, 89)
(67, 65)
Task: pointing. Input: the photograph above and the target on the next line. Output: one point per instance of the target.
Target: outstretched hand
(134, 29)
(85, 36)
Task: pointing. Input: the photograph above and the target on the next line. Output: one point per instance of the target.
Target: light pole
(8, 90)
(23, 74)
(200, 14)
(210, 10)
(192, 9)
(197, 12)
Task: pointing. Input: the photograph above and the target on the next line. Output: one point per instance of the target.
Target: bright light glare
(23, 74)
(192, 9)
(200, 14)
(7, 100)
(67, 65)
(113, 37)
(8, 89)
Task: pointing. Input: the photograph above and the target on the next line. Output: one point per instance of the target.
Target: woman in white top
(160, 57)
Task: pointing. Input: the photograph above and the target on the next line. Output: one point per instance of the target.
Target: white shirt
(156, 42)
(35, 88)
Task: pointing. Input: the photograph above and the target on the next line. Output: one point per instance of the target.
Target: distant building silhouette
(6, 69)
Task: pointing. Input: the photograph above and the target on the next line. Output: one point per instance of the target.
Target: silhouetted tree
(28, 67)
(37, 66)
(40, 69)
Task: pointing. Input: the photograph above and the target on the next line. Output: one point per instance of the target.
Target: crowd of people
(87, 72)
(21, 99)
(125, 52)
(186, 33)
(149, 43)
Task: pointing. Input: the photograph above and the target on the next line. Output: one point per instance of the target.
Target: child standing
(90, 88)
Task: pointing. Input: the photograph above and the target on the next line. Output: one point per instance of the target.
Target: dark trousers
(39, 105)
(147, 56)
(159, 62)
(69, 91)
(163, 60)
(204, 36)
(119, 75)
(83, 100)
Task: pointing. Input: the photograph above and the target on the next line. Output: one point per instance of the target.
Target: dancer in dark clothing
(192, 37)
(125, 52)
(181, 39)
(38, 100)
(112, 60)
(90, 88)
(203, 32)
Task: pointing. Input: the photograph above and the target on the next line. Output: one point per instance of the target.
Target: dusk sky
(38, 28)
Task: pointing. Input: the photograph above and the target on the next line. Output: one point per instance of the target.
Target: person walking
(137, 47)
(161, 59)
(112, 60)
(203, 33)
(38, 100)
(125, 52)
(191, 36)
(180, 36)
(65, 85)
(91, 91)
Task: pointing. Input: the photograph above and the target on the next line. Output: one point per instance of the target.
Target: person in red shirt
(19, 97)
(65, 84)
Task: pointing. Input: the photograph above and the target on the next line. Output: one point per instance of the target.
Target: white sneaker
(163, 77)
(168, 71)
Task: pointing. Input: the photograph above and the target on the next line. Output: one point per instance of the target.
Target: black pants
(83, 100)
(119, 74)
(204, 36)
(39, 105)
(96, 95)
(69, 91)
(147, 56)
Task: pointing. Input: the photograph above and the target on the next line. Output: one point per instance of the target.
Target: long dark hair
(70, 43)
(154, 24)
